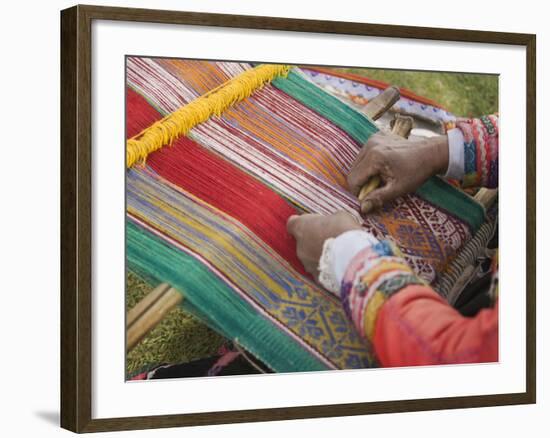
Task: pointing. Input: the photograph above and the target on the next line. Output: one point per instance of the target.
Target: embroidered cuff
(373, 276)
(480, 151)
(337, 254)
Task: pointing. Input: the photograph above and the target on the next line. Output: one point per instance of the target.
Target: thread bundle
(180, 122)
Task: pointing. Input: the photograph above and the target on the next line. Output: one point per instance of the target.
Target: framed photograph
(269, 218)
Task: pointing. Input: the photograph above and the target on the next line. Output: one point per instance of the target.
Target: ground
(180, 337)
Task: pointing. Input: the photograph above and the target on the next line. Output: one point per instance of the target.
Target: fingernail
(366, 207)
(290, 221)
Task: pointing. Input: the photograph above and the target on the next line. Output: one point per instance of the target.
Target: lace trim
(327, 278)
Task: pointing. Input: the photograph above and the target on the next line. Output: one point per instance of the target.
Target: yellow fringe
(181, 121)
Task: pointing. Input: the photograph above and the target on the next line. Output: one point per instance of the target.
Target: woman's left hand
(311, 231)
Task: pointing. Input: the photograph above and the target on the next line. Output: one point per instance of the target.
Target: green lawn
(464, 94)
(178, 338)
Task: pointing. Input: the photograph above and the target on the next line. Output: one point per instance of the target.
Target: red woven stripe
(139, 113)
(221, 184)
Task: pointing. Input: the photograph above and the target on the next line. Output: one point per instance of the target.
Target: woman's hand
(311, 231)
(402, 166)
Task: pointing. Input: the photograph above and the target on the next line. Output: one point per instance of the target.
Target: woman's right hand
(402, 166)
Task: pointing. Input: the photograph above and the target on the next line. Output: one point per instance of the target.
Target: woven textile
(359, 90)
(207, 213)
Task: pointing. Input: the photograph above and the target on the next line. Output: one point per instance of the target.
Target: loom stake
(146, 314)
(378, 106)
(401, 125)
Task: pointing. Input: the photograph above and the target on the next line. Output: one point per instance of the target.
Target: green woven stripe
(458, 203)
(238, 320)
(357, 125)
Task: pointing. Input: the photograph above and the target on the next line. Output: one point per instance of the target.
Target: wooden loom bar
(149, 312)
(140, 308)
(401, 125)
(378, 106)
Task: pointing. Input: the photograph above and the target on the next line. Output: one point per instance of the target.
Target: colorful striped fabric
(208, 212)
(358, 90)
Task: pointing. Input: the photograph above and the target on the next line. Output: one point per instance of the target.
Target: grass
(463, 94)
(181, 337)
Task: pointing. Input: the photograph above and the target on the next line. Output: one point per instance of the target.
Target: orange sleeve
(417, 327)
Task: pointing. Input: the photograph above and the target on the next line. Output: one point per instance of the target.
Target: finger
(295, 223)
(375, 139)
(292, 224)
(369, 205)
(344, 216)
(359, 176)
(377, 198)
(364, 155)
(341, 222)
(361, 159)
(372, 184)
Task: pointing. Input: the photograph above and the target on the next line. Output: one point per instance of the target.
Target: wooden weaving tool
(400, 125)
(146, 314)
(378, 106)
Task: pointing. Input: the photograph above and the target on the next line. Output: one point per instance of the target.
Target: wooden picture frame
(76, 217)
